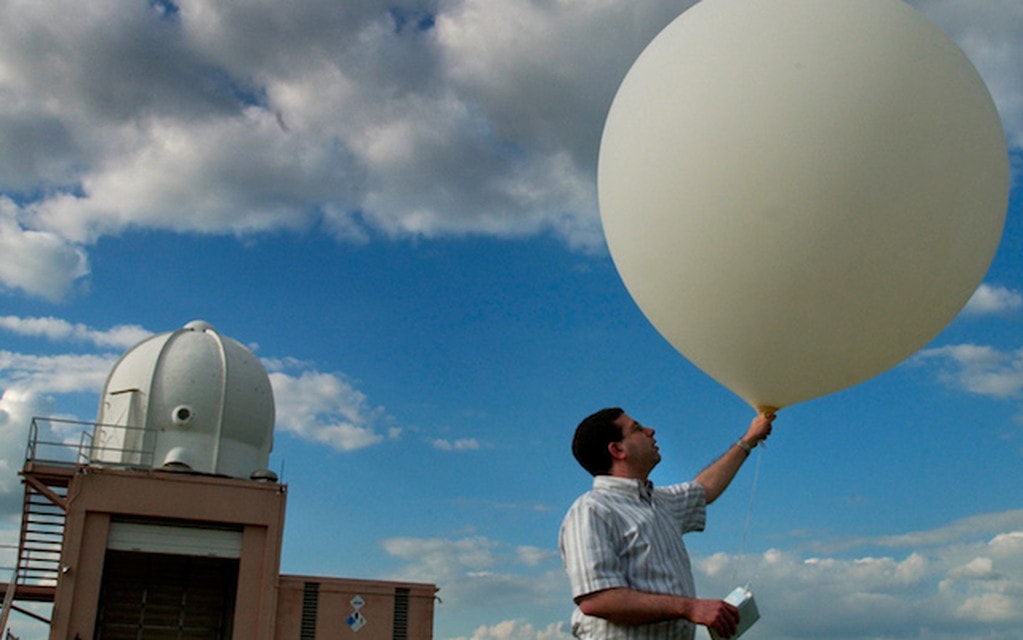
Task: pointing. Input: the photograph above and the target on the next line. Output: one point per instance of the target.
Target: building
(164, 522)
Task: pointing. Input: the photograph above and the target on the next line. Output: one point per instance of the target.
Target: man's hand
(716, 614)
(759, 429)
(719, 474)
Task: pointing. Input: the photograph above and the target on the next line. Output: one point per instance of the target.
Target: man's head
(592, 437)
(610, 440)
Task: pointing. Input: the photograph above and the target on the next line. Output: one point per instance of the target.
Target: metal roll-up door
(175, 539)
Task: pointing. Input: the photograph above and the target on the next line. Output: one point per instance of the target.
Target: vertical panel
(401, 595)
(310, 606)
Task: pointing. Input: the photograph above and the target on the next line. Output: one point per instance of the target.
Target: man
(622, 541)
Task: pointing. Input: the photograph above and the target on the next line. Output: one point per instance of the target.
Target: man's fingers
(727, 620)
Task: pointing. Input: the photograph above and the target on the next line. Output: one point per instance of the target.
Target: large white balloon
(799, 194)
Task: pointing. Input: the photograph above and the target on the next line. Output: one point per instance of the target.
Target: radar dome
(189, 399)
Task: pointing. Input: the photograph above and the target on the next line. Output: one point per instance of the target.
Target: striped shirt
(626, 533)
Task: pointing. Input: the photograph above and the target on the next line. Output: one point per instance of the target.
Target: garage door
(159, 596)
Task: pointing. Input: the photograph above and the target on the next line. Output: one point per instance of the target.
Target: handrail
(94, 445)
(8, 601)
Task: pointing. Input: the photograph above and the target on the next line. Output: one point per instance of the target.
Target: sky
(394, 206)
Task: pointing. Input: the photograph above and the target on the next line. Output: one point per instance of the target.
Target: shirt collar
(642, 489)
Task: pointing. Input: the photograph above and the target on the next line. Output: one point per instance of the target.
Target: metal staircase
(49, 468)
(46, 476)
(42, 531)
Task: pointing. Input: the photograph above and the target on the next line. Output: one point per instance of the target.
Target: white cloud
(62, 373)
(964, 529)
(519, 630)
(956, 583)
(444, 556)
(326, 408)
(236, 119)
(441, 118)
(36, 261)
(479, 573)
(980, 568)
(460, 444)
(121, 337)
(954, 589)
(534, 556)
(56, 437)
(993, 299)
(991, 607)
(979, 369)
(17, 408)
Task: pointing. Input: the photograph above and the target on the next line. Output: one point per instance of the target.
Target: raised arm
(716, 477)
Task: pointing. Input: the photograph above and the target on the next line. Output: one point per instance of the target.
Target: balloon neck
(766, 410)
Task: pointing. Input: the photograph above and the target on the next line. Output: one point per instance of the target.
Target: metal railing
(88, 443)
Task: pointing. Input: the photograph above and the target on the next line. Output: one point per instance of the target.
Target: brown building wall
(267, 606)
(96, 495)
(326, 606)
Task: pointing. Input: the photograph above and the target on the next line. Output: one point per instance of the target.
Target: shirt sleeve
(689, 505)
(588, 543)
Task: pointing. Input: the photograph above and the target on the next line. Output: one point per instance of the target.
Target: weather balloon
(801, 194)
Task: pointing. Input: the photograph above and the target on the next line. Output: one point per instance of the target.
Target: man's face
(639, 443)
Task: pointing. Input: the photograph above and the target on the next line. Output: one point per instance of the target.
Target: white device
(742, 598)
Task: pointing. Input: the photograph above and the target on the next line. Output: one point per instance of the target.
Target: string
(749, 518)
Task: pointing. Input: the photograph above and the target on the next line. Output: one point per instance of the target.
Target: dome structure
(189, 399)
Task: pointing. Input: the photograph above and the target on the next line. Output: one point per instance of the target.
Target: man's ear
(617, 450)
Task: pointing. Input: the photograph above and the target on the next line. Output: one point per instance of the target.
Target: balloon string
(749, 518)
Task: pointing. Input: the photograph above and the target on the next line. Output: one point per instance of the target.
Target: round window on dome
(182, 415)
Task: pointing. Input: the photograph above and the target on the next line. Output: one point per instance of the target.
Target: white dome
(190, 399)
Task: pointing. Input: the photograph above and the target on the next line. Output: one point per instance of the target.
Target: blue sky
(394, 205)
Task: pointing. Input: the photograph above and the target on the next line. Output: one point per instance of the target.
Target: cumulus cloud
(61, 373)
(17, 408)
(869, 596)
(979, 369)
(479, 572)
(519, 630)
(38, 262)
(992, 299)
(459, 444)
(57, 438)
(325, 408)
(534, 556)
(944, 592)
(957, 582)
(358, 119)
(55, 329)
(238, 119)
(968, 528)
(950, 582)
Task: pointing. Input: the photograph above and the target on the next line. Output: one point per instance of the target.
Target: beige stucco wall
(96, 494)
(335, 605)
(268, 606)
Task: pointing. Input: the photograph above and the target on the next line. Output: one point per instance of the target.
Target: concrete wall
(96, 495)
(349, 609)
(268, 606)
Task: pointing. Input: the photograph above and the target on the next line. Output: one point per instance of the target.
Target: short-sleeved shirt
(627, 533)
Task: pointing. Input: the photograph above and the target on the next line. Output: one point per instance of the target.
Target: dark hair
(594, 433)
